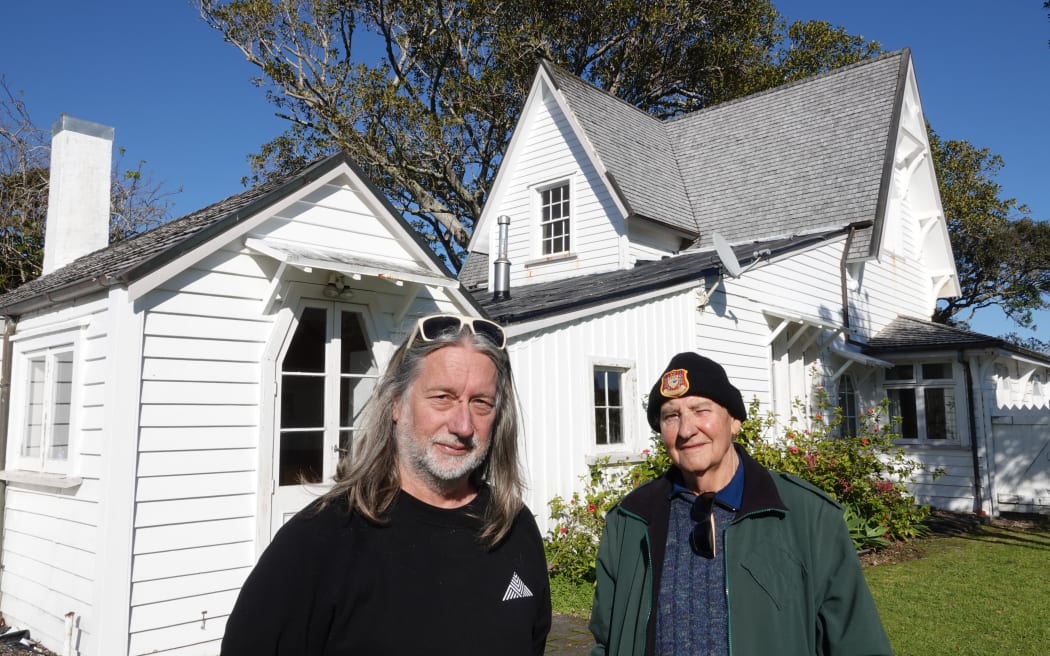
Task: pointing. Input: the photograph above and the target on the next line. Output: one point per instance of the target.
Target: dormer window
(555, 214)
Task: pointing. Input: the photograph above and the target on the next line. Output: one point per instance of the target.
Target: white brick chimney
(78, 200)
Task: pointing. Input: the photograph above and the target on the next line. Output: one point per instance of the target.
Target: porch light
(338, 287)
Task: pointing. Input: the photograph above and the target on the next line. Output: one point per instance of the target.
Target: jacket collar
(649, 502)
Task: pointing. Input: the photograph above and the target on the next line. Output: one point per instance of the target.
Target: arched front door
(325, 374)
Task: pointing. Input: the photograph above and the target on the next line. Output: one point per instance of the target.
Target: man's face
(444, 423)
(698, 434)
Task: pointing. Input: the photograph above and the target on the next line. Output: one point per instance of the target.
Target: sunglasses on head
(703, 539)
(437, 326)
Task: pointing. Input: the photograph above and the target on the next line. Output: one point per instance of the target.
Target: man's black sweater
(333, 583)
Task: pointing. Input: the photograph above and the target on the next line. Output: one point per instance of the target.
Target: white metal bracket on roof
(786, 319)
(853, 357)
(350, 265)
(411, 291)
(273, 293)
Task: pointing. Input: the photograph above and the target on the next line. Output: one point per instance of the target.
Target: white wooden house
(166, 393)
(160, 397)
(825, 190)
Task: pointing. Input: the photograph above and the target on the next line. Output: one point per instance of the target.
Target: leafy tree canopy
(1002, 255)
(137, 203)
(425, 96)
(432, 115)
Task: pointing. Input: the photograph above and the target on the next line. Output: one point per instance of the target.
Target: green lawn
(986, 593)
(982, 593)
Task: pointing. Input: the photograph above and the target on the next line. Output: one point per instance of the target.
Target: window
(43, 419)
(327, 376)
(608, 406)
(554, 219)
(922, 401)
(847, 403)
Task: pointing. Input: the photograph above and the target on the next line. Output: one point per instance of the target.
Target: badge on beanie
(674, 383)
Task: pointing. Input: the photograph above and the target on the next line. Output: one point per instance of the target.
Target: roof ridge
(789, 85)
(868, 61)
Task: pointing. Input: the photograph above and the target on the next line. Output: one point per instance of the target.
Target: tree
(432, 114)
(425, 96)
(137, 203)
(1002, 256)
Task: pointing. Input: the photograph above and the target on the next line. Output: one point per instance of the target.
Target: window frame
(332, 427)
(568, 182)
(607, 407)
(846, 395)
(919, 384)
(629, 412)
(49, 347)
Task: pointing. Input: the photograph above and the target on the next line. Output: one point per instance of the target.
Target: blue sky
(181, 99)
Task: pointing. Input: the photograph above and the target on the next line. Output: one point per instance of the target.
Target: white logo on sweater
(517, 589)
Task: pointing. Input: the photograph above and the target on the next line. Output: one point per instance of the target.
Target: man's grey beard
(442, 471)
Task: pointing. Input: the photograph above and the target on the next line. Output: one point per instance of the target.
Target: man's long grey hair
(369, 476)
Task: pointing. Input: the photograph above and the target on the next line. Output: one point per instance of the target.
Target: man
(720, 555)
(424, 545)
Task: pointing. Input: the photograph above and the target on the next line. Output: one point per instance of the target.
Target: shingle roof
(803, 157)
(128, 260)
(635, 148)
(529, 302)
(906, 334)
(475, 270)
(798, 158)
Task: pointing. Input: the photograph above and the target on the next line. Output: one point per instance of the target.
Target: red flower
(819, 417)
(645, 452)
(794, 449)
(591, 508)
(864, 441)
(564, 530)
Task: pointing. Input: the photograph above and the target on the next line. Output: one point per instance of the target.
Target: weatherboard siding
(647, 242)
(552, 371)
(50, 535)
(899, 282)
(204, 334)
(947, 481)
(336, 217)
(893, 286)
(551, 154)
(739, 324)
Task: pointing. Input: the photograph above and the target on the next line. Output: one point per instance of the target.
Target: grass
(982, 593)
(568, 598)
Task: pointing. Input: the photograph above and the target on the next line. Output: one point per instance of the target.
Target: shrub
(572, 543)
(865, 532)
(865, 472)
